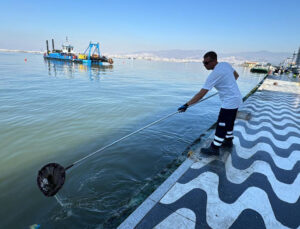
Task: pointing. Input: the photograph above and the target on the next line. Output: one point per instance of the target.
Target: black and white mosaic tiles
(255, 185)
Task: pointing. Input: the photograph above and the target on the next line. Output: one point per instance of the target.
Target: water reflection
(72, 70)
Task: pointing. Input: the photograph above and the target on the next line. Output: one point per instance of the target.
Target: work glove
(183, 108)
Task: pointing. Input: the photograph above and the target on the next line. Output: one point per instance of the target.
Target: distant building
(249, 64)
(298, 58)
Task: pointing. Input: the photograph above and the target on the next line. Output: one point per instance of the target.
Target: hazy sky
(127, 25)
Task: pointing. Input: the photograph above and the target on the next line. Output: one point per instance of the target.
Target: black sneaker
(211, 151)
(227, 143)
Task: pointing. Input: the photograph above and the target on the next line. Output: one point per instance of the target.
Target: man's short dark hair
(211, 54)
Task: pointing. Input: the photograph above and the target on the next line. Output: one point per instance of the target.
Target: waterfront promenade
(256, 184)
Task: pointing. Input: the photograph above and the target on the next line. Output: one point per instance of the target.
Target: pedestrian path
(256, 184)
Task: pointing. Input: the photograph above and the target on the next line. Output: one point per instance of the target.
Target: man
(223, 78)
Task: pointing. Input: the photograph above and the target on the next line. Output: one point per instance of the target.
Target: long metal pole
(127, 136)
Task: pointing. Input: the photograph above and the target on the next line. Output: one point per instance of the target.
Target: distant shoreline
(153, 58)
(21, 51)
(232, 59)
(124, 56)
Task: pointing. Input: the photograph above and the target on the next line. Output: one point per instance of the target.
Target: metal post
(90, 47)
(47, 46)
(98, 49)
(52, 45)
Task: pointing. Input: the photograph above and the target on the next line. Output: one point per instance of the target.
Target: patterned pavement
(256, 184)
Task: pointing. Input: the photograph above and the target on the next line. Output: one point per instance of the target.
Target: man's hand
(183, 108)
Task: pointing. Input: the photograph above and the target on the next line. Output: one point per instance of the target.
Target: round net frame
(51, 178)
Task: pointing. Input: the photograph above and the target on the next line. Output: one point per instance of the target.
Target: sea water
(60, 112)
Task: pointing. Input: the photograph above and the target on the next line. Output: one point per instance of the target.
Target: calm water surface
(56, 112)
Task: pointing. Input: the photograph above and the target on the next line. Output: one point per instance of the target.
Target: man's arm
(197, 97)
(236, 75)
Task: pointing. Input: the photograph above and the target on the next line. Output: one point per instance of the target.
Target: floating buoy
(25, 59)
(275, 83)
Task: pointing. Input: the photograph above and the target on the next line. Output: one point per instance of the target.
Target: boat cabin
(67, 48)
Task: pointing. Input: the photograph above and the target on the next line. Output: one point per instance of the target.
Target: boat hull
(259, 70)
(71, 59)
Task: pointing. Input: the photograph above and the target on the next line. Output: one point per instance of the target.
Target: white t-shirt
(222, 78)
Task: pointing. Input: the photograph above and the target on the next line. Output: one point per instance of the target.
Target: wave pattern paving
(257, 185)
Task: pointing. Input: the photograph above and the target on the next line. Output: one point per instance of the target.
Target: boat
(259, 69)
(90, 56)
